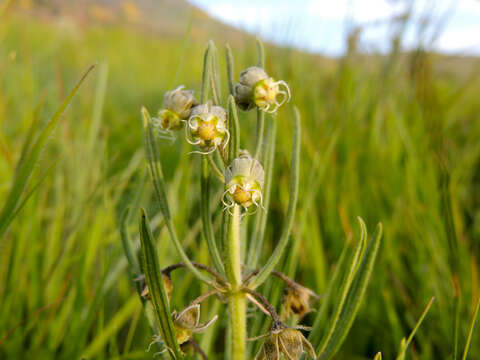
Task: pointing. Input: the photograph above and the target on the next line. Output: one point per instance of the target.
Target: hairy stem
(236, 298)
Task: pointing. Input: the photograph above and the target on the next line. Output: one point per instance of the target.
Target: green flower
(243, 182)
(206, 127)
(256, 88)
(177, 105)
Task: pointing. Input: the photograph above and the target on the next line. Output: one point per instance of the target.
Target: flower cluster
(215, 133)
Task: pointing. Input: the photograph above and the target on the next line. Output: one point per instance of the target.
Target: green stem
(237, 298)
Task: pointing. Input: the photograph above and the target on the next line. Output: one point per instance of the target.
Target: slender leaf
(261, 217)
(344, 265)
(230, 70)
(127, 243)
(155, 169)
(205, 74)
(214, 74)
(234, 128)
(206, 218)
(345, 286)
(112, 328)
(337, 334)
(470, 333)
(260, 53)
(25, 171)
(259, 134)
(406, 342)
(153, 276)
(292, 204)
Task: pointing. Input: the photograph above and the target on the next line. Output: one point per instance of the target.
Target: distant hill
(170, 18)
(163, 17)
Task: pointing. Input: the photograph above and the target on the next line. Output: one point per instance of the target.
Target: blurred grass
(389, 138)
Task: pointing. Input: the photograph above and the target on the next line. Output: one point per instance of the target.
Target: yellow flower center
(206, 131)
(265, 92)
(240, 196)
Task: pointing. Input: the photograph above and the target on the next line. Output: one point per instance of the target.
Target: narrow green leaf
(261, 217)
(205, 74)
(155, 169)
(30, 192)
(352, 267)
(153, 276)
(259, 134)
(112, 328)
(456, 326)
(206, 218)
(214, 74)
(346, 265)
(378, 356)
(230, 70)
(292, 205)
(354, 299)
(30, 134)
(260, 53)
(127, 243)
(470, 333)
(406, 343)
(234, 128)
(24, 172)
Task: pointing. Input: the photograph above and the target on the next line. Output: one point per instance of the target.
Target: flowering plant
(234, 278)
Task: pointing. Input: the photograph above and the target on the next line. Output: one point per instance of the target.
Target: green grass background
(390, 138)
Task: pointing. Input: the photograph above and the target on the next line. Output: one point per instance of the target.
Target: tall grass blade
(470, 333)
(112, 328)
(405, 343)
(24, 172)
(153, 276)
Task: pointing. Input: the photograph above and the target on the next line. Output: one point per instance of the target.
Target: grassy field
(390, 138)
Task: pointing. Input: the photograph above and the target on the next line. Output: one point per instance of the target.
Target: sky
(321, 26)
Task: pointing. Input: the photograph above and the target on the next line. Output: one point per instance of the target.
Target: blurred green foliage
(390, 138)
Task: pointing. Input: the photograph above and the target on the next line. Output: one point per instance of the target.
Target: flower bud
(256, 88)
(296, 301)
(206, 127)
(187, 322)
(177, 105)
(243, 182)
(287, 342)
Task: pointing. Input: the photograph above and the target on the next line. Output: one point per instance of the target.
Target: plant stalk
(236, 298)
